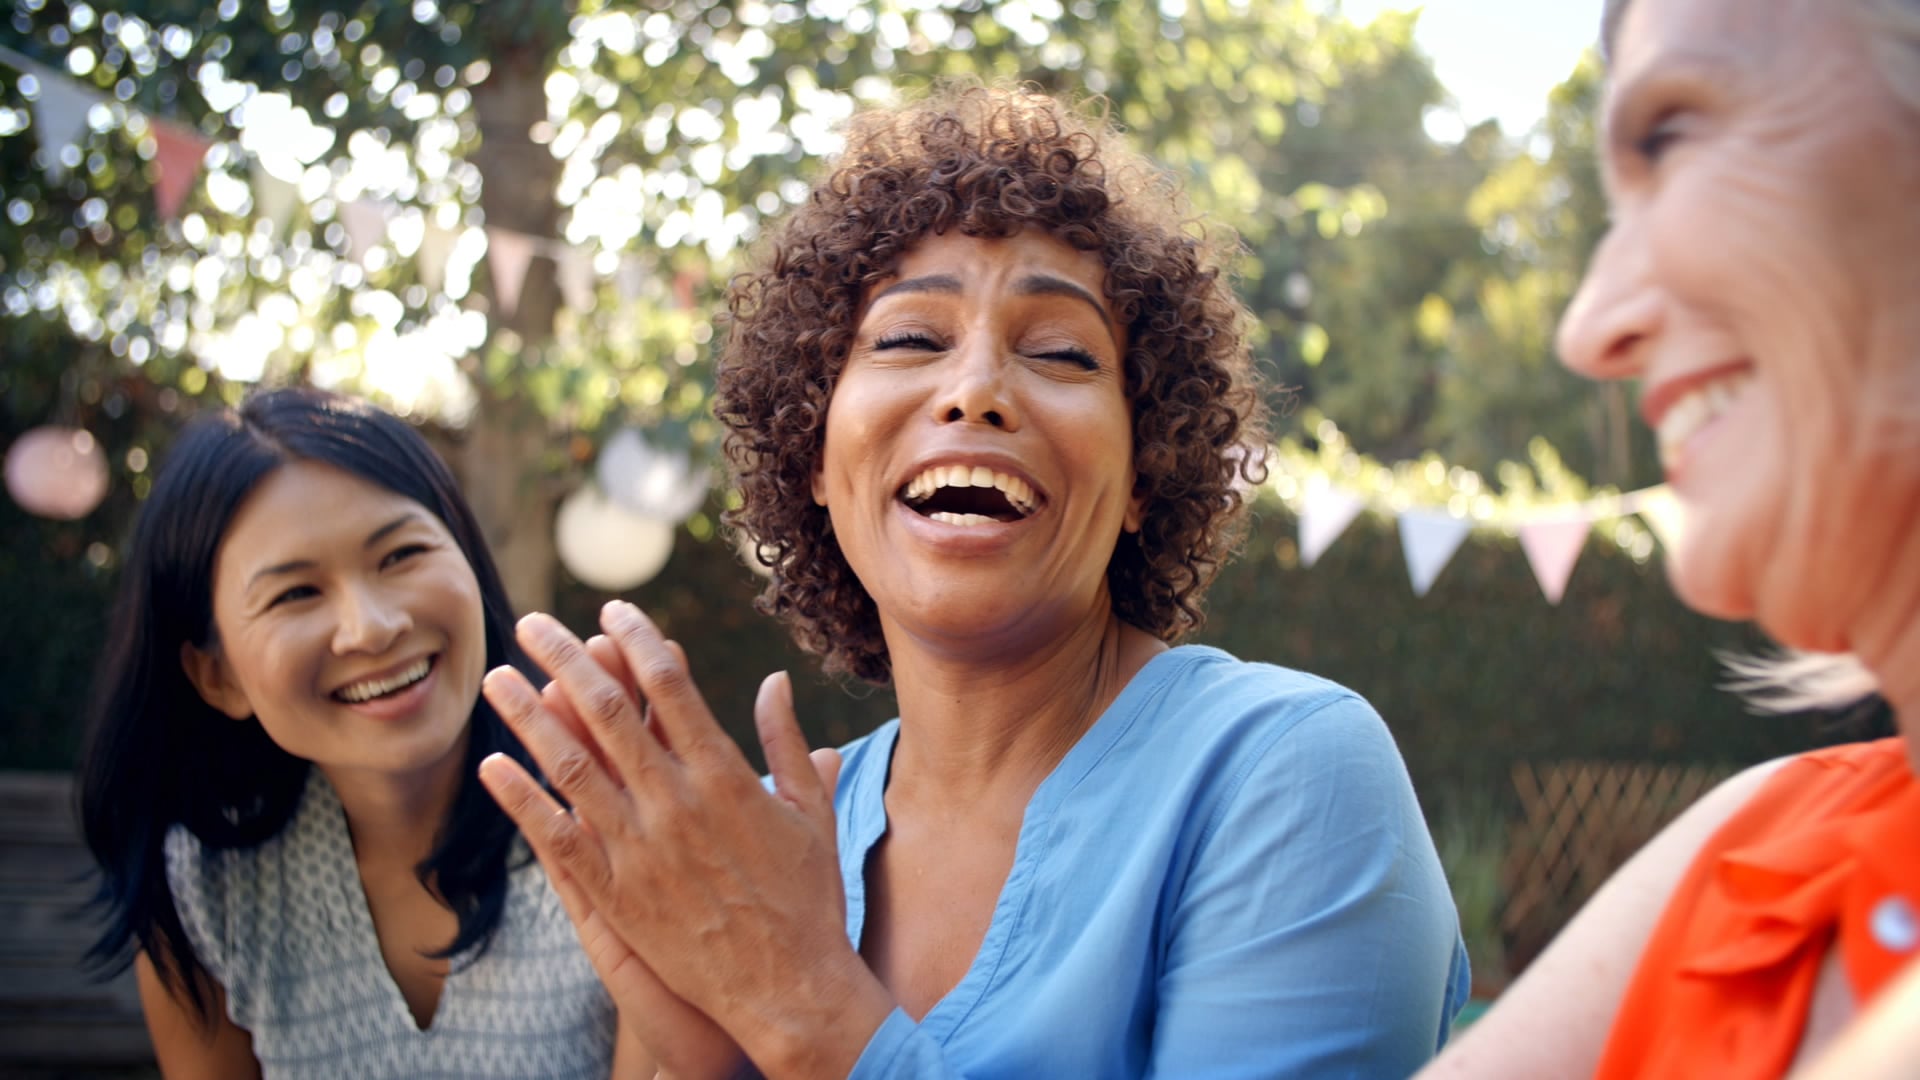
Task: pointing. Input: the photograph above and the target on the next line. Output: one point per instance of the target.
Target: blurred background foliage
(1405, 288)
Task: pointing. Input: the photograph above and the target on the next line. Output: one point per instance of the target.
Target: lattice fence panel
(1579, 821)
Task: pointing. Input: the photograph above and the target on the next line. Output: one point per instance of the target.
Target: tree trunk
(501, 459)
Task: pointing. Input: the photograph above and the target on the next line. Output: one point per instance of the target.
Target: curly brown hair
(990, 162)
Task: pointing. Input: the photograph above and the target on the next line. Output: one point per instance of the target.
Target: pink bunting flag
(178, 155)
(366, 224)
(508, 254)
(1552, 548)
(574, 267)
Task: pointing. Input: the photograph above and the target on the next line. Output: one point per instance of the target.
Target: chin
(1705, 582)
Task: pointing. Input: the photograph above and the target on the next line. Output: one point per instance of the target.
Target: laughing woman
(1762, 160)
(988, 400)
(279, 788)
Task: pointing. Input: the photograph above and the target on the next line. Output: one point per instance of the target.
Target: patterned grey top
(285, 929)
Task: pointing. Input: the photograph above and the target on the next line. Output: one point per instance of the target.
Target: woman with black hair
(280, 783)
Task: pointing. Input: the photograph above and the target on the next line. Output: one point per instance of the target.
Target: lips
(385, 683)
(1678, 409)
(970, 494)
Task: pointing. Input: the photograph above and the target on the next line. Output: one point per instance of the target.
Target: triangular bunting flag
(177, 157)
(60, 112)
(574, 268)
(436, 247)
(631, 279)
(273, 198)
(1552, 548)
(1429, 539)
(1324, 515)
(366, 225)
(508, 254)
(1665, 516)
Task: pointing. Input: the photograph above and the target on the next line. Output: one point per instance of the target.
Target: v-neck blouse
(285, 929)
(1226, 876)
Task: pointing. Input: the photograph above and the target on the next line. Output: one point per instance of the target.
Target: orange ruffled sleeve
(1828, 848)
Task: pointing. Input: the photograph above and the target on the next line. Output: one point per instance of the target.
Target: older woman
(988, 400)
(1762, 158)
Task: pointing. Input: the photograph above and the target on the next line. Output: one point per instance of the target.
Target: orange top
(1829, 846)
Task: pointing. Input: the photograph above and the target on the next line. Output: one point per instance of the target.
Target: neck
(396, 818)
(1886, 638)
(972, 726)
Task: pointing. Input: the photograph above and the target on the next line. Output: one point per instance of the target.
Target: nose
(974, 388)
(1617, 310)
(370, 621)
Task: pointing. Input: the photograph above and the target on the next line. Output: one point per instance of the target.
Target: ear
(819, 480)
(207, 670)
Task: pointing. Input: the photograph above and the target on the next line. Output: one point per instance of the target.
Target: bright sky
(1498, 57)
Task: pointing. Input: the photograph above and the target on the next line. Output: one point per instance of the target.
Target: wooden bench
(53, 1014)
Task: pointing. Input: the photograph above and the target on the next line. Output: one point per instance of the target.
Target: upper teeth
(1694, 411)
(1017, 491)
(373, 688)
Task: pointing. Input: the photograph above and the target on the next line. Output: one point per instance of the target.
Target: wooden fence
(1578, 821)
(55, 1020)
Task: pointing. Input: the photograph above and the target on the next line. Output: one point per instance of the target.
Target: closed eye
(908, 340)
(1077, 357)
(403, 553)
(288, 596)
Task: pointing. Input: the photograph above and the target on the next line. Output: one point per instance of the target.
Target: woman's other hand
(727, 896)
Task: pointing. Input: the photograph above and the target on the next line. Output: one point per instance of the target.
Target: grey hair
(1791, 680)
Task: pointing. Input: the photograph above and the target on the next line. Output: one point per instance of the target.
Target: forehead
(307, 505)
(1026, 252)
(1747, 33)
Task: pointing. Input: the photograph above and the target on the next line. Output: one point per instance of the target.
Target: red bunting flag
(178, 155)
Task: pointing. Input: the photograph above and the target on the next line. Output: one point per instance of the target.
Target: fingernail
(621, 614)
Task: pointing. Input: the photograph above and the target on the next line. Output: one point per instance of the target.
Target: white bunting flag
(366, 225)
(436, 247)
(273, 198)
(631, 279)
(1429, 539)
(1665, 516)
(60, 112)
(1325, 513)
(1552, 548)
(508, 254)
(574, 267)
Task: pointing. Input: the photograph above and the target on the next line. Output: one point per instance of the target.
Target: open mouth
(969, 495)
(374, 689)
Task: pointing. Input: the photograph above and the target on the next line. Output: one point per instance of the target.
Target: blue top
(1227, 876)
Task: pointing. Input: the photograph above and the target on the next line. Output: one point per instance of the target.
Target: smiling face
(349, 623)
(1760, 278)
(978, 463)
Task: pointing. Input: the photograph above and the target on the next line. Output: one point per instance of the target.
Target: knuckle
(566, 653)
(664, 677)
(570, 771)
(566, 843)
(603, 701)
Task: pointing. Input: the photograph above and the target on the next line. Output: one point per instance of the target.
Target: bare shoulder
(1554, 1020)
(187, 1046)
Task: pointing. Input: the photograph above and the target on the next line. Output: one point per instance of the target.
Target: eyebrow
(298, 565)
(1686, 67)
(1031, 285)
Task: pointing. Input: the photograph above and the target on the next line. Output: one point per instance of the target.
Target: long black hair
(159, 756)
